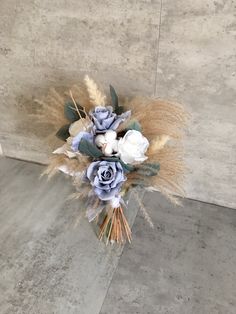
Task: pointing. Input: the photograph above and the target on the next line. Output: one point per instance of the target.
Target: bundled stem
(115, 226)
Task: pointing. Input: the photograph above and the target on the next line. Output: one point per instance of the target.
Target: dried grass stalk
(97, 98)
(81, 96)
(83, 189)
(54, 164)
(143, 210)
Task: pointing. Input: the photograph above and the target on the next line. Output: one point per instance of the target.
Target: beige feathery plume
(158, 117)
(159, 142)
(72, 165)
(96, 96)
(143, 210)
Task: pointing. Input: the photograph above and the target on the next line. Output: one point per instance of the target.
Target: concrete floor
(186, 265)
(52, 263)
(51, 260)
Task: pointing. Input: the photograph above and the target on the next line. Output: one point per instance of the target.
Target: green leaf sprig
(115, 101)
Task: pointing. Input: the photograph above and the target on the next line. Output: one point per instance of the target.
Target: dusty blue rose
(76, 140)
(105, 119)
(106, 177)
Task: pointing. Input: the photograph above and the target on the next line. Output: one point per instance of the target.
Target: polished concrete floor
(51, 261)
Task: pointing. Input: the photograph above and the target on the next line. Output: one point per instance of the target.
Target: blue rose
(105, 119)
(106, 177)
(76, 140)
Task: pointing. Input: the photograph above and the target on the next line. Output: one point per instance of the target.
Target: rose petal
(105, 196)
(107, 122)
(106, 178)
(91, 169)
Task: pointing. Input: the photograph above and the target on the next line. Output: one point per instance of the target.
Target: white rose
(132, 147)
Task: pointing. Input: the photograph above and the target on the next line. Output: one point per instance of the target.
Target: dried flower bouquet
(110, 148)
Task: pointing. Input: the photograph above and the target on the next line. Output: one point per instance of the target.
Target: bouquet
(113, 145)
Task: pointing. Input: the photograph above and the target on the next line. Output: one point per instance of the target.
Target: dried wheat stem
(115, 226)
(76, 107)
(144, 210)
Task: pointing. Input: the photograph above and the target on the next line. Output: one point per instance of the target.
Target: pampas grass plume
(95, 95)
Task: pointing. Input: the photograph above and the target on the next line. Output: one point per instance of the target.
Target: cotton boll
(100, 140)
(110, 136)
(108, 150)
(115, 146)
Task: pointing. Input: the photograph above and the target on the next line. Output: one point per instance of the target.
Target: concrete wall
(181, 50)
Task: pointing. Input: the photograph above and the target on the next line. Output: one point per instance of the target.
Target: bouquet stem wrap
(115, 226)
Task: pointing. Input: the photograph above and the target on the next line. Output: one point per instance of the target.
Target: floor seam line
(122, 252)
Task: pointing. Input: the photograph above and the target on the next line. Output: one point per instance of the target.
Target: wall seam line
(158, 49)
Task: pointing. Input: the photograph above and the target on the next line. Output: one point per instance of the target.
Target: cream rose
(132, 147)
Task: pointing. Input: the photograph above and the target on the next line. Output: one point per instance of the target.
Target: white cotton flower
(108, 151)
(100, 140)
(110, 135)
(132, 147)
(107, 142)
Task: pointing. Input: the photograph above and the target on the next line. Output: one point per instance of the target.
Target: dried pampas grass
(73, 166)
(158, 117)
(81, 96)
(158, 143)
(54, 164)
(169, 180)
(163, 123)
(97, 98)
(51, 110)
(143, 210)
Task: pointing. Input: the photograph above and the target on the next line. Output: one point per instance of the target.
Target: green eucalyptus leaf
(111, 158)
(115, 102)
(63, 132)
(127, 167)
(134, 125)
(149, 169)
(114, 98)
(120, 110)
(147, 172)
(140, 183)
(88, 149)
(155, 165)
(71, 112)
